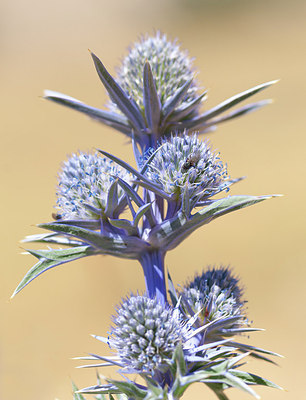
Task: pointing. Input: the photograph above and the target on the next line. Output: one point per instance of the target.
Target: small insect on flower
(56, 216)
(191, 161)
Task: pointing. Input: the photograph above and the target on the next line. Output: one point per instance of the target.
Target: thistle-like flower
(155, 95)
(145, 334)
(84, 184)
(156, 342)
(171, 68)
(184, 163)
(171, 345)
(215, 297)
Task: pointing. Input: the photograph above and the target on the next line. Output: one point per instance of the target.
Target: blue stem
(154, 271)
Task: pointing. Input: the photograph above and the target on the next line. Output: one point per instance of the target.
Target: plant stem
(154, 271)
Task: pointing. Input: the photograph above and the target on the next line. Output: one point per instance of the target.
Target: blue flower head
(84, 183)
(187, 163)
(146, 333)
(171, 68)
(216, 296)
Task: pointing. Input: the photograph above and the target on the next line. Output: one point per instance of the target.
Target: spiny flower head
(171, 69)
(186, 162)
(214, 294)
(146, 333)
(84, 182)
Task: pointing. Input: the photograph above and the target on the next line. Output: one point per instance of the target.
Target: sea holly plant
(168, 337)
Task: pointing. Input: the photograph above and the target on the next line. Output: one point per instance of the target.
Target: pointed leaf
(172, 291)
(186, 201)
(136, 152)
(115, 244)
(238, 383)
(76, 396)
(231, 102)
(51, 238)
(171, 232)
(124, 224)
(151, 99)
(50, 259)
(195, 124)
(131, 389)
(181, 112)
(141, 212)
(250, 348)
(101, 389)
(153, 188)
(173, 101)
(118, 96)
(112, 199)
(117, 121)
(128, 168)
(252, 379)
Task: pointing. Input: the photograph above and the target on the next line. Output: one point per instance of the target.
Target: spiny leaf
(173, 101)
(252, 379)
(171, 232)
(231, 102)
(151, 100)
(119, 245)
(118, 96)
(117, 121)
(50, 259)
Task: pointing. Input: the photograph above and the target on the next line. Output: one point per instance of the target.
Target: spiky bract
(185, 162)
(146, 333)
(171, 69)
(216, 296)
(84, 182)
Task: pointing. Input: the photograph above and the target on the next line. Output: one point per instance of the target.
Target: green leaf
(252, 379)
(115, 244)
(101, 389)
(51, 238)
(172, 232)
(129, 388)
(238, 383)
(50, 259)
(76, 396)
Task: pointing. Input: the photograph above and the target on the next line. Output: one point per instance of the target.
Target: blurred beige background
(237, 44)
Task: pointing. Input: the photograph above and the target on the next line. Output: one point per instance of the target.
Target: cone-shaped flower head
(171, 69)
(186, 163)
(146, 333)
(216, 295)
(84, 183)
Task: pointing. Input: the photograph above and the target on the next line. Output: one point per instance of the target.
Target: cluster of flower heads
(171, 349)
(146, 332)
(171, 338)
